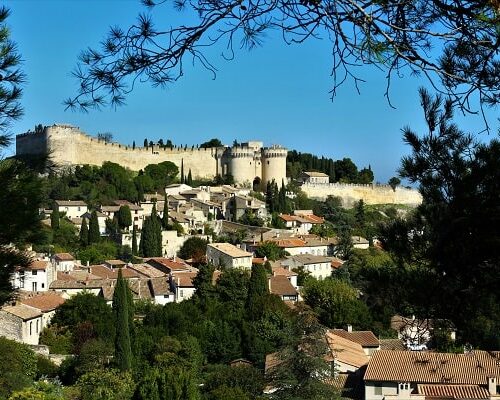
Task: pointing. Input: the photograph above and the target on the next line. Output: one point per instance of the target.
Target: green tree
(270, 250)
(106, 385)
(394, 182)
(453, 237)
(257, 289)
(194, 248)
(365, 176)
(189, 180)
(84, 233)
(17, 366)
(41, 390)
(151, 238)
(164, 219)
(211, 143)
(97, 253)
(162, 174)
(134, 240)
(94, 233)
(336, 303)
(360, 213)
(123, 349)
(124, 217)
(54, 217)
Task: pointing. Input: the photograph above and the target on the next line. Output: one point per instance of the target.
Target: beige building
(318, 267)
(229, 256)
(21, 323)
(314, 177)
(72, 208)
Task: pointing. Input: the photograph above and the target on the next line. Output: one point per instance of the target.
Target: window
(181, 293)
(34, 272)
(31, 327)
(33, 286)
(377, 389)
(43, 285)
(36, 326)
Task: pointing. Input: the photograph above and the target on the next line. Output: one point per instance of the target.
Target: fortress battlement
(67, 145)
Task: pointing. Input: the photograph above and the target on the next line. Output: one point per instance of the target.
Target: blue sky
(275, 93)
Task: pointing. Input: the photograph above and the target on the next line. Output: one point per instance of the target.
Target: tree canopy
(395, 36)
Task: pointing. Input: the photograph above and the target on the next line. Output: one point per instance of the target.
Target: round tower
(243, 165)
(274, 164)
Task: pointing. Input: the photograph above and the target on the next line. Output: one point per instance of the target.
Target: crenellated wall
(370, 194)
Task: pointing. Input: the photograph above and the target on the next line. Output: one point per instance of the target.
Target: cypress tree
(123, 348)
(165, 213)
(189, 178)
(156, 232)
(84, 233)
(182, 171)
(133, 145)
(94, 234)
(54, 217)
(134, 240)
(257, 289)
(124, 217)
(146, 143)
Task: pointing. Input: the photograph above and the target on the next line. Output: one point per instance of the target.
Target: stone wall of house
(10, 326)
(370, 194)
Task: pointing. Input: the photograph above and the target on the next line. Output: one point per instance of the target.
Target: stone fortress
(248, 163)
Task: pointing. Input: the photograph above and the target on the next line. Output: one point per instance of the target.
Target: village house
(63, 262)
(318, 267)
(72, 208)
(427, 375)
(21, 323)
(366, 339)
(46, 303)
(237, 205)
(277, 270)
(199, 194)
(182, 286)
(301, 221)
(229, 256)
(347, 355)
(313, 177)
(176, 188)
(102, 216)
(37, 277)
(359, 242)
(281, 286)
(300, 245)
(160, 290)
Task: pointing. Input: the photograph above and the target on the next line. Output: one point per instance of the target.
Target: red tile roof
(38, 265)
(364, 338)
(184, 279)
(281, 286)
(346, 351)
(425, 367)
(44, 302)
(63, 257)
(108, 273)
(454, 391)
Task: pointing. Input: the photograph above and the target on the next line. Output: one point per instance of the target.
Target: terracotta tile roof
(453, 391)
(281, 286)
(172, 265)
(230, 249)
(359, 240)
(66, 203)
(288, 242)
(346, 351)
(306, 259)
(159, 286)
(110, 208)
(184, 279)
(425, 367)
(133, 207)
(288, 218)
(258, 260)
(44, 302)
(108, 273)
(38, 265)
(147, 270)
(63, 257)
(364, 338)
(22, 311)
(115, 262)
(392, 344)
(283, 271)
(336, 262)
(140, 288)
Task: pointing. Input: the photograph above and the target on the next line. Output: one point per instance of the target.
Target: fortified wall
(370, 194)
(68, 146)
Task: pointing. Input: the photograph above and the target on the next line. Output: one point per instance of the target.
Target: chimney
(492, 385)
(349, 328)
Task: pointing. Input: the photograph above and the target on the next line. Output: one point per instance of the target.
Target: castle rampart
(68, 146)
(350, 193)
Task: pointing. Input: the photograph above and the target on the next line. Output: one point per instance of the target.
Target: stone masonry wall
(370, 194)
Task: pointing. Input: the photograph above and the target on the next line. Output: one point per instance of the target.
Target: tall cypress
(54, 217)
(134, 240)
(84, 233)
(156, 232)
(165, 213)
(121, 300)
(94, 234)
(189, 178)
(182, 171)
(257, 289)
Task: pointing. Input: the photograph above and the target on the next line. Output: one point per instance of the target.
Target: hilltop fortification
(68, 146)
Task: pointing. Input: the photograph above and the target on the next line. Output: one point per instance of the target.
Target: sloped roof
(454, 391)
(173, 265)
(44, 302)
(67, 203)
(133, 207)
(392, 344)
(63, 257)
(282, 271)
(306, 259)
(315, 174)
(230, 249)
(22, 311)
(346, 351)
(159, 286)
(281, 286)
(147, 270)
(38, 265)
(425, 367)
(364, 338)
(184, 279)
(108, 273)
